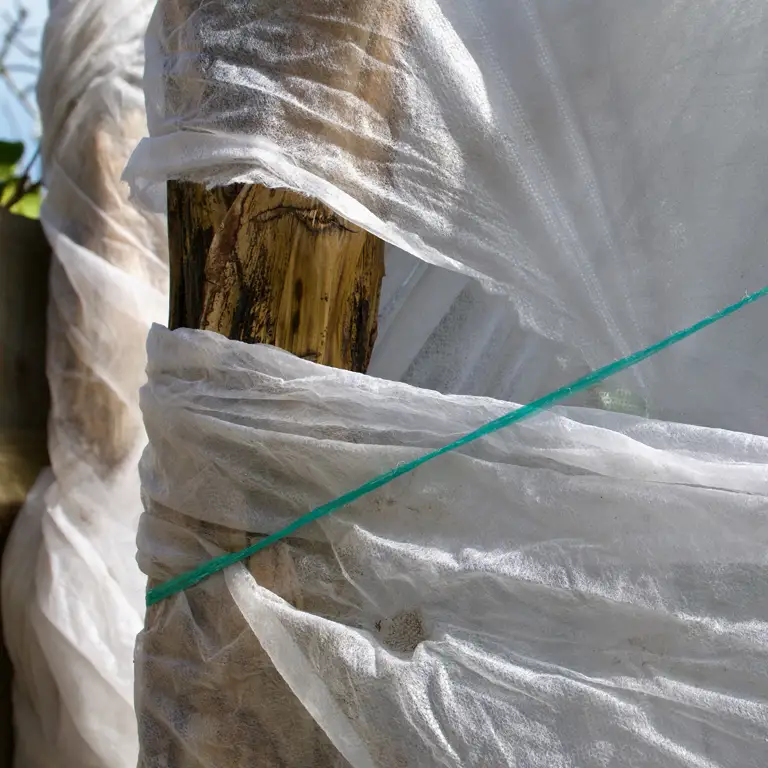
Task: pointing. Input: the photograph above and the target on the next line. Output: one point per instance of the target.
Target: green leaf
(29, 205)
(11, 153)
(8, 191)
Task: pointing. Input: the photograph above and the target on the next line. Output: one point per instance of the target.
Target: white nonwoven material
(561, 183)
(72, 594)
(599, 165)
(582, 589)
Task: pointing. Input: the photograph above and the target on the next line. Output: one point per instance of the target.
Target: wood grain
(194, 215)
(285, 270)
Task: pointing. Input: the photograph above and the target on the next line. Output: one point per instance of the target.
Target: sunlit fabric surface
(582, 589)
(600, 164)
(561, 183)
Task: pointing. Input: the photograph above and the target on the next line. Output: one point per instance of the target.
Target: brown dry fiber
(101, 426)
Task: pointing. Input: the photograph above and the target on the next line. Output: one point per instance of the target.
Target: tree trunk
(24, 262)
(275, 267)
(24, 403)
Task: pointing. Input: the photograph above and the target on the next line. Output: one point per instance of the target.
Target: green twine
(195, 576)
